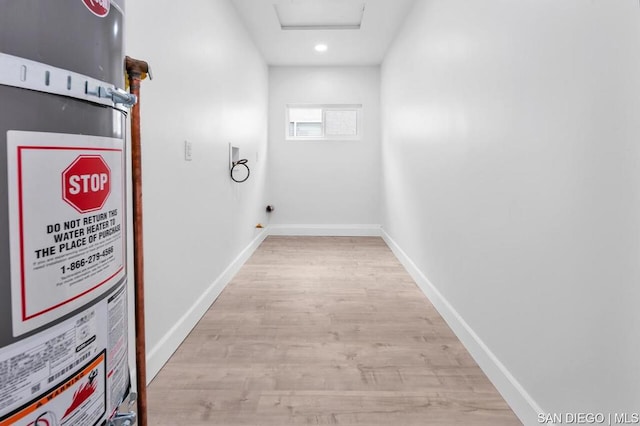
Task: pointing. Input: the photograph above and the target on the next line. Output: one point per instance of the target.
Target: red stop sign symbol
(86, 183)
(98, 7)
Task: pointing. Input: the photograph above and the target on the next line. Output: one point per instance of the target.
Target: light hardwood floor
(323, 330)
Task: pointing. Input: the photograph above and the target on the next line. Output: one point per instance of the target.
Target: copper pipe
(135, 70)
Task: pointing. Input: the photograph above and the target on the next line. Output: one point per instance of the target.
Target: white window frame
(325, 107)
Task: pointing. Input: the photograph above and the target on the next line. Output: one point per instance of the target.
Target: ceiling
(356, 32)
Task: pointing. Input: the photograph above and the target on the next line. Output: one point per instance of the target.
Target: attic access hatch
(325, 15)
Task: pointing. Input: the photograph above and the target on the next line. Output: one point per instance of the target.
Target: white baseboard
(523, 405)
(162, 351)
(355, 230)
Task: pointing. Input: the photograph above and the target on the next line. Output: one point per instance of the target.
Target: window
(323, 122)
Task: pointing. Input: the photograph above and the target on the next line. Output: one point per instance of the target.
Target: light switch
(187, 151)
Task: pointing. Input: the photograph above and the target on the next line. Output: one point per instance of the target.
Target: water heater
(63, 244)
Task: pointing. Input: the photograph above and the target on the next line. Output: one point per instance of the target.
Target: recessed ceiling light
(321, 47)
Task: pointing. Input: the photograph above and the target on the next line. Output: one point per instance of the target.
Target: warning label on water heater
(78, 401)
(66, 214)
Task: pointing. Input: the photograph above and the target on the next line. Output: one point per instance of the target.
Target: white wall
(324, 182)
(511, 170)
(210, 87)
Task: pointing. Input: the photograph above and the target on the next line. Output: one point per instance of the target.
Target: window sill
(340, 139)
